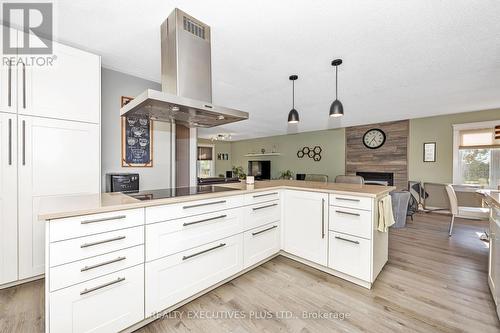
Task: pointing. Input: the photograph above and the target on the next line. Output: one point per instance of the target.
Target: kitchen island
(114, 262)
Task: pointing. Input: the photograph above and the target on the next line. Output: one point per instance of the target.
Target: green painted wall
(221, 166)
(331, 141)
(430, 129)
(439, 129)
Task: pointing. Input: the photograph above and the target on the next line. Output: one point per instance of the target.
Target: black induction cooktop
(178, 192)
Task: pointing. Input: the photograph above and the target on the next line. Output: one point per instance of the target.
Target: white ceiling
(402, 59)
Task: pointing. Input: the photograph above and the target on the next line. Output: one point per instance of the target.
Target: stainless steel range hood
(186, 94)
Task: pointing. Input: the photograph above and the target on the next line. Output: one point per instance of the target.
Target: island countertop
(58, 207)
(493, 197)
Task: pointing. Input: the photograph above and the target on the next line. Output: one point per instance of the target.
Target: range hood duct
(186, 77)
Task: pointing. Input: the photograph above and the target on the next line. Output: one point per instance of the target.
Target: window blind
(205, 154)
(484, 138)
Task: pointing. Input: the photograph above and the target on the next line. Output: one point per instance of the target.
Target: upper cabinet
(8, 78)
(64, 85)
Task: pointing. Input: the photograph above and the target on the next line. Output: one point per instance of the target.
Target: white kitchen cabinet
(68, 89)
(350, 255)
(8, 198)
(109, 303)
(305, 225)
(172, 279)
(494, 257)
(8, 76)
(261, 243)
(55, 157)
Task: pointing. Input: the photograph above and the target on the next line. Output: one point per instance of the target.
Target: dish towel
(385, 215)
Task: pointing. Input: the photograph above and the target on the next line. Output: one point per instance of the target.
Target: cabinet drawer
(166, 238)
(351, 201)
(175, 211)
(260, 243)
(259, 197)
(76, 272)
(263, 213)
(109, 303)
(174, 278)
(350, 221)
(73, 227)
(350, 255)
(90, 246)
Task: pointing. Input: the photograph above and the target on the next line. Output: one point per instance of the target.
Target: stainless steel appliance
(179, 191)
(122, 182)
(186, 97)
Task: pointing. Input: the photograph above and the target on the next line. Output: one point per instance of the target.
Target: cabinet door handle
(10, 141)
(89, 290)
(348, 199)
(261, 231)
(9, 97)
(346, 240)
(347, 213)
(204, 204)
(204, 251)
(102, 242)
(24, 86)
(87, 268)
(204, 220)
(322, 218)
(267, 206)
(264, 195)
(119, 217)
(24, 141)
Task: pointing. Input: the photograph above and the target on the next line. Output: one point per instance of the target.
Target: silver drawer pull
(102, 242)
(267, 206)
(205, 220)
(88, 268)
(205, 204)
(348, 199)
(204, 251)
(86, 291)
(259, 232)
(264, 195)
(347, 240)
(346, 213)
(119, 217)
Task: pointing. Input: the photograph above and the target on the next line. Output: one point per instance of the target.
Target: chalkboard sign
(137, 140)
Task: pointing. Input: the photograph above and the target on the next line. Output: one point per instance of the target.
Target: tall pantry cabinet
(50, 145)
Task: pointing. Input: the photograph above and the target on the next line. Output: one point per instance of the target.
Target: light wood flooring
(431, 283)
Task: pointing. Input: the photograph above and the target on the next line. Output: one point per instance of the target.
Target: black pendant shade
(336, 109)
(293, 115)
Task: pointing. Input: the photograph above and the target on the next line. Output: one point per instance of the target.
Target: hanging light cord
(293, 94)
(336, 82)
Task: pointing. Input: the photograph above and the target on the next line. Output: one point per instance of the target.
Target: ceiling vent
(194, 28)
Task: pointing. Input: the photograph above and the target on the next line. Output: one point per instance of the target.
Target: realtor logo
(36, 21)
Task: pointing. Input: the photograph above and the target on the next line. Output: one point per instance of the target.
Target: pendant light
(336, 109)
(293, 115)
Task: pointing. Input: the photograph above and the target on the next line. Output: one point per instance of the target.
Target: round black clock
(374, 138)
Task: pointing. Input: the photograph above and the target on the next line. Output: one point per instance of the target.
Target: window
(477, 155)
(206, 165)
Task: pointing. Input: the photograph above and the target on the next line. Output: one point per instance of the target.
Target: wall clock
(374, 138)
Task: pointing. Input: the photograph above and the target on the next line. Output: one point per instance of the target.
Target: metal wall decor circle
(313, 153)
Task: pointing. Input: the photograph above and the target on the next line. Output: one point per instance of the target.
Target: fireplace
(377, 178)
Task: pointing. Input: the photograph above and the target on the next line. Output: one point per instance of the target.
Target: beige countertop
(492, 196)
(67, 206)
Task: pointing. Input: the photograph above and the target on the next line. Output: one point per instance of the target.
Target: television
(259, 169)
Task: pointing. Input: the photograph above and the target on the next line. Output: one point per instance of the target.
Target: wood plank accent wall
(391, 157)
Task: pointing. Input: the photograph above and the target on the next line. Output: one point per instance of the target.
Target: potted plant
(238, 172)
(287, 174)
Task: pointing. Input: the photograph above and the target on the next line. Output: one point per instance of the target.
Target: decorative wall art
(314, 153)
(223, 156)
(430, 152)
(137, 140)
